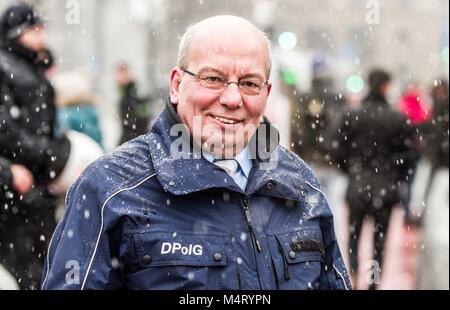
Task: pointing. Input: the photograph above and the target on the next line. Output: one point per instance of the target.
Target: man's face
(222, 115)
(33, 38)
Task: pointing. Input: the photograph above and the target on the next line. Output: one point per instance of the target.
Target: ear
(175, 80)
(269, 88)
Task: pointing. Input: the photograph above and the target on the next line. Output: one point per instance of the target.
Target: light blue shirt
(245, 164)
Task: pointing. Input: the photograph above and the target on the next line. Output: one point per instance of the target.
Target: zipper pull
(258, 245)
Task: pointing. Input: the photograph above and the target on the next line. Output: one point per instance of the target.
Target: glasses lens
(213, 81)
(250, 87)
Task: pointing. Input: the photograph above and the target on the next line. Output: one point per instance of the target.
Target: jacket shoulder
(290, 161)
(14, 70)
(126, 165)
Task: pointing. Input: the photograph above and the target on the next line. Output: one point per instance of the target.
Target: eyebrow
(245, 76)
(211, 69)
(252, 75)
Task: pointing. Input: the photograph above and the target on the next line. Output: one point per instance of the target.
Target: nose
(231, 97)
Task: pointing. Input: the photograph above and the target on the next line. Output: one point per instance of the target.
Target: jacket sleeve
(334, 273)
(80, 252)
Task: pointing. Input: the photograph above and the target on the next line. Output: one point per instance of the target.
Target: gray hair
(188, 36)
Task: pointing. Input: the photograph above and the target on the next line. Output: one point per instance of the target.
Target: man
(376, 148)
(27, 138)
(150, 216)
(134, 111)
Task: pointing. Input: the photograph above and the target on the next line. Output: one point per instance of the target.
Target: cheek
(192, 103)
(255, 110)
(199, 102)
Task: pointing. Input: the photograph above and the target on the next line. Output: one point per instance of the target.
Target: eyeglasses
(251, 86)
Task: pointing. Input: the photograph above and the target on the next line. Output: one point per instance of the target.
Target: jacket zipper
(249, 223)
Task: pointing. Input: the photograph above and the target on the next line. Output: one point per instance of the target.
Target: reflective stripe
(341, 276)
(101, 225)
(317, 189)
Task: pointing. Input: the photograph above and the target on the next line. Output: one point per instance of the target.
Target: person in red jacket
(414, 105)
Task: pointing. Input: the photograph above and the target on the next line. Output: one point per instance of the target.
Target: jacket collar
(189, 172)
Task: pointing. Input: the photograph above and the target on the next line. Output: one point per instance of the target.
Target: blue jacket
(139, 219)
(82, 118)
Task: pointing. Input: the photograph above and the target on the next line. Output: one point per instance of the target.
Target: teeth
(225, 120)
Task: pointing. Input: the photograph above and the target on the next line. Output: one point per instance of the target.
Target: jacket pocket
(297, 258)
(166, 260)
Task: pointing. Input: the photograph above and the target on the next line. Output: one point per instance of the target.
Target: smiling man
(156, 214)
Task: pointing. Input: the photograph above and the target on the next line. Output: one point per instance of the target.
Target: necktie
(229, 165)
(232, 167)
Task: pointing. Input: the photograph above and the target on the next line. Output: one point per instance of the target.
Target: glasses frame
(227, 83)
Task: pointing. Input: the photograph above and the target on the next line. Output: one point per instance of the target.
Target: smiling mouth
(225, 120)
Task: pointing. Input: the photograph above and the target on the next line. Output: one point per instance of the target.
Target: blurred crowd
(375, 149)
(371, 158)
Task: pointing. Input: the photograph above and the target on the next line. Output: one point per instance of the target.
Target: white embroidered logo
(169, 247)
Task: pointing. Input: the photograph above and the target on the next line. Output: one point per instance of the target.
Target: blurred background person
(27, 138)
(75, 104)
(78, 119)
(316, 118)
(134, 110)
(431, 192)
(435, 150)
(414, 104)
(375, 148)
(318, 114)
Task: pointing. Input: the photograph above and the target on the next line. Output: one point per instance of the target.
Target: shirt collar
(243, 158)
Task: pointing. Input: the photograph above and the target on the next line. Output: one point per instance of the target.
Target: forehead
(229, 50)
